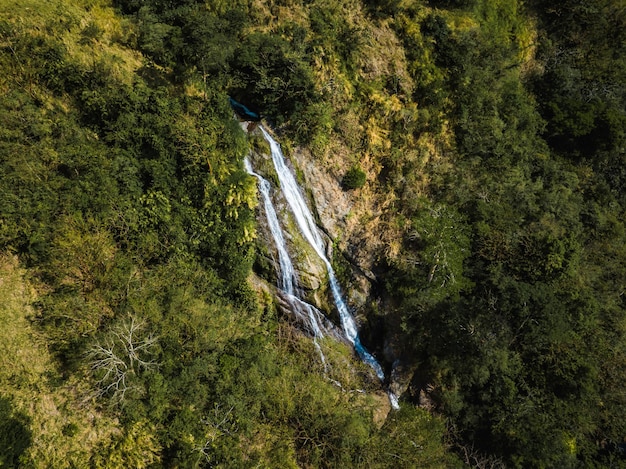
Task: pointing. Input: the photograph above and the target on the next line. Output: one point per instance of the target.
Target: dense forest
(482, 146)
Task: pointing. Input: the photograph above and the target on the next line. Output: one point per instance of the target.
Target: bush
(15, 435)
(353, 179)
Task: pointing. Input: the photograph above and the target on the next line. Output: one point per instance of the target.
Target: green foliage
(272, 77)
(402, 441)
(136, 447)
(15, 436)
(528, 311)
(500, 141)
(577, 91)
(353, 179)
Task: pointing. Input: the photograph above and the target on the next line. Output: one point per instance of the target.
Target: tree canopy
(487, 138)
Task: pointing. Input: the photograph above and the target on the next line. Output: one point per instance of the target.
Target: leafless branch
(124, 353)
(219, 424)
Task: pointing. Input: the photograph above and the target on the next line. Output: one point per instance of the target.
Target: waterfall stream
(312, 317)
(308, 314)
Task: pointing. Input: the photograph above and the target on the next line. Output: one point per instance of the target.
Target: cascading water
(308, 314)
(311, 233)
(286, 266)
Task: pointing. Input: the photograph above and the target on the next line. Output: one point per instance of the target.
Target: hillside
(466, 157)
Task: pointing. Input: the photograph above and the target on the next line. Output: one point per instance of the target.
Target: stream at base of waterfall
(316, 323)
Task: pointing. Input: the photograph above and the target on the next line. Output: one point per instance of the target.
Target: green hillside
(482, 147)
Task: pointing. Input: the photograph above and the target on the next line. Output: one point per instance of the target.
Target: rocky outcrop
(331, 203)
(310, 271)
(357, 235)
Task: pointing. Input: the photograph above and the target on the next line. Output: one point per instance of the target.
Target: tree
(125, 353)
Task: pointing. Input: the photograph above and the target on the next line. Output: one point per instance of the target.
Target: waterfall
(308, 314)
(311, 233)
(286, 266)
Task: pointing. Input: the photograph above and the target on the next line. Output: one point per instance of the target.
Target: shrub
(353, 179)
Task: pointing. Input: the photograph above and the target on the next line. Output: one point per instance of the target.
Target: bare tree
(125, 353)
(221, 423)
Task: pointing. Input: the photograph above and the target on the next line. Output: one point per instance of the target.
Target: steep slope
(483, 210)
(466, 157)
(131, 334)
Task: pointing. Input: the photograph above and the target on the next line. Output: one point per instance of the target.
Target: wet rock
(308, 280)
(310, 271)
(331, 202)
(400, 378)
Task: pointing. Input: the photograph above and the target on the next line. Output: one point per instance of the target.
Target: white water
(286, 266)
(308, 314)
(308, 228)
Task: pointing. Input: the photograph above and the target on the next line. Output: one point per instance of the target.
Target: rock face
(400, 377)
(331, 203)
(310, 270)
(357, 234)
(339, 214)
(356, 222)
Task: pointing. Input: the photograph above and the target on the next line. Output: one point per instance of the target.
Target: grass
(29, 379)
(90, 30)
(64, 425)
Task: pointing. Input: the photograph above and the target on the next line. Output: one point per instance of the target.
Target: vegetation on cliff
(483, 145)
